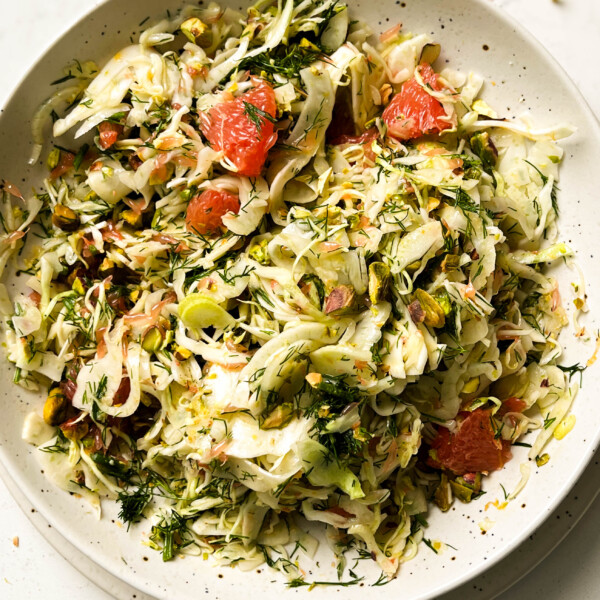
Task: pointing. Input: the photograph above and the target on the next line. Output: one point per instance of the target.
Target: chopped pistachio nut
(182, 353)
(186, 194)
(164, 323)
(451, 262)
(416, 312)
(106, 268)
(354, 222)
(434, 313)
(78, 286)
(132, 218)
(540, 461)
(76, 432)
(258, 252)
(430, 53)
(324, 411)
(340, 298)
(53, 158)
(152, 340)
(55, 407)
(197, 32)
(333, 214)
(472, 172)
(169, 335)
(414, 266)
(312, 287)
(361, 434)
(278, 417)
(379, 279)
(471, 386)
(443, 494)
(463, 492)
(304, 43)
(385, 92)
(443, 299)
(482, 146)
(64, 218)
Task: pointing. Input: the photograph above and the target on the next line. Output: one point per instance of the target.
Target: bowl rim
(11, 477)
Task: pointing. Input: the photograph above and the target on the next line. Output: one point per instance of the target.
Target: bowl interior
(520, 76)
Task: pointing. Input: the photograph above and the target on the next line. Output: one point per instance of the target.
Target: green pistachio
(152, 340)
(106, 268)
(278, 417)
(78, 286)
(197, 32)
(434, 313)
(132, 218)
(430, 53)
(482, 146)
(55, 407)
(466, 491)
(450, 262)
(312, 287)
(64, 218)
(443, 494)
(443, 299)
(540, 461)
(182, 353)
(379, 280)
(258, 252)
(53, 158)
(340, 299)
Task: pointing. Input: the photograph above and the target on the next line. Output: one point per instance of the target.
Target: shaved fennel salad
(282, 270)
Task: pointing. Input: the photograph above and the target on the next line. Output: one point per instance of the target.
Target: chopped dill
(60, 446)
(171, 535)
(133, 504)
(257, 116)
(573, 370)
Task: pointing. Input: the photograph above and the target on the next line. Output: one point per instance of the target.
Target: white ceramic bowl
(474, 36)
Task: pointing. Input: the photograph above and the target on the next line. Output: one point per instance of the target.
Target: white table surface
(570, 29)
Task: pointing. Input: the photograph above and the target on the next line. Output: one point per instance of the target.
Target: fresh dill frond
(60, 446)
(555, 188)
(573, 370)
(301, 582)
(283, 60)
(133, 504)
(171, 534)
(257, 116)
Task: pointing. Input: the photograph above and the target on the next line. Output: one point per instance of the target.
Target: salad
(281, 270)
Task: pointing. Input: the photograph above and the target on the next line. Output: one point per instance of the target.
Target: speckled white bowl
(475, 36)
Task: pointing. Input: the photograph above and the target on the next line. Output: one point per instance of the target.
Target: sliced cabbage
(320, 471)
(105, 179)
